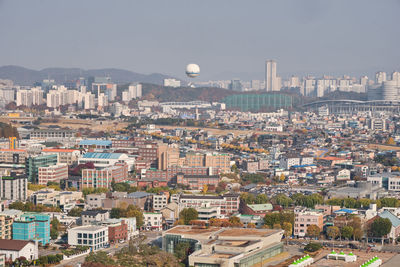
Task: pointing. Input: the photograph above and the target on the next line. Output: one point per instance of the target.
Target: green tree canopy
(381, 227)
(188, 214)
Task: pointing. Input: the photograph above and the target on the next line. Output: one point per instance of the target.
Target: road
(150, 237)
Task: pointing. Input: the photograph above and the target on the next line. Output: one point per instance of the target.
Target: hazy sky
(222, 36)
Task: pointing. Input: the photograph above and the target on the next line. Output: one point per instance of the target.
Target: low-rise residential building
(94, 201)
(152, 221)
(170, 213)
(53, 173)
(304, 218)
(93, 236)
(14, 249)
(94, 216)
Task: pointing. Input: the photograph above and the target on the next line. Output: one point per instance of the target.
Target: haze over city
(211, 133)
(228, 39)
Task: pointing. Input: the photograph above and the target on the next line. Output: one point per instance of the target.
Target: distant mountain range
(24, 76)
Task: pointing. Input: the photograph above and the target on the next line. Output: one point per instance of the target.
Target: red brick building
(117, 232)
(197, 181)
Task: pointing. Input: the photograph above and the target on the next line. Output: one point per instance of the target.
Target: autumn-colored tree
(251, 225)
(390, 141)
(288, 228)
(332, 232)
(205, 189)
(235, 221)
(313, 231)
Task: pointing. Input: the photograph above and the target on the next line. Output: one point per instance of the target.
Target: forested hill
(167, 94)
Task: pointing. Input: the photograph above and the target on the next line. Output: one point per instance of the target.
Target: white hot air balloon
(192, 70)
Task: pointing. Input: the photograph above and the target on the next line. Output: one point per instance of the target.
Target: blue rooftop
(345, 211)
(94, 155)
(393, 218)
(95, 142)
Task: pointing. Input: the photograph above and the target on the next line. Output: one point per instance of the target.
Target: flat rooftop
(248, 232)
(189, 230)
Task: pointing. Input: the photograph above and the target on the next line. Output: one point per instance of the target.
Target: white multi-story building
(271, 81)
(135, 90)
(159, 201)
(13, 188)
(89, 101)
(7, 95)
(380, 77)
(152, 221)
(288, 161)
(95, 237)
(394, 183)
(102, 100)
(24, 98)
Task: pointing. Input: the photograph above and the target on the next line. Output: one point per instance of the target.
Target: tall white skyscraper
(270, 76)
(396, 77)
(380, 77)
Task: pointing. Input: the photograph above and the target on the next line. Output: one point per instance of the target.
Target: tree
(181, 251)
(235, 221)
(332, 232)
(380, 227)
(283, 200)
(288, 228)
(129, 212)
(312, 247)
(388, 202)
(346, 232)
(247, 198)
(75, 212)
(270, 219)
(188, 214)
(313, 231)
(100, 257)
(205, 189)
(251, 225)
(55, 223)
(261, 199)
(390, 141)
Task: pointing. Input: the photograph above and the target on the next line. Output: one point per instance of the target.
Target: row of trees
(353, 229)
(310, 201)
(29, 206)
